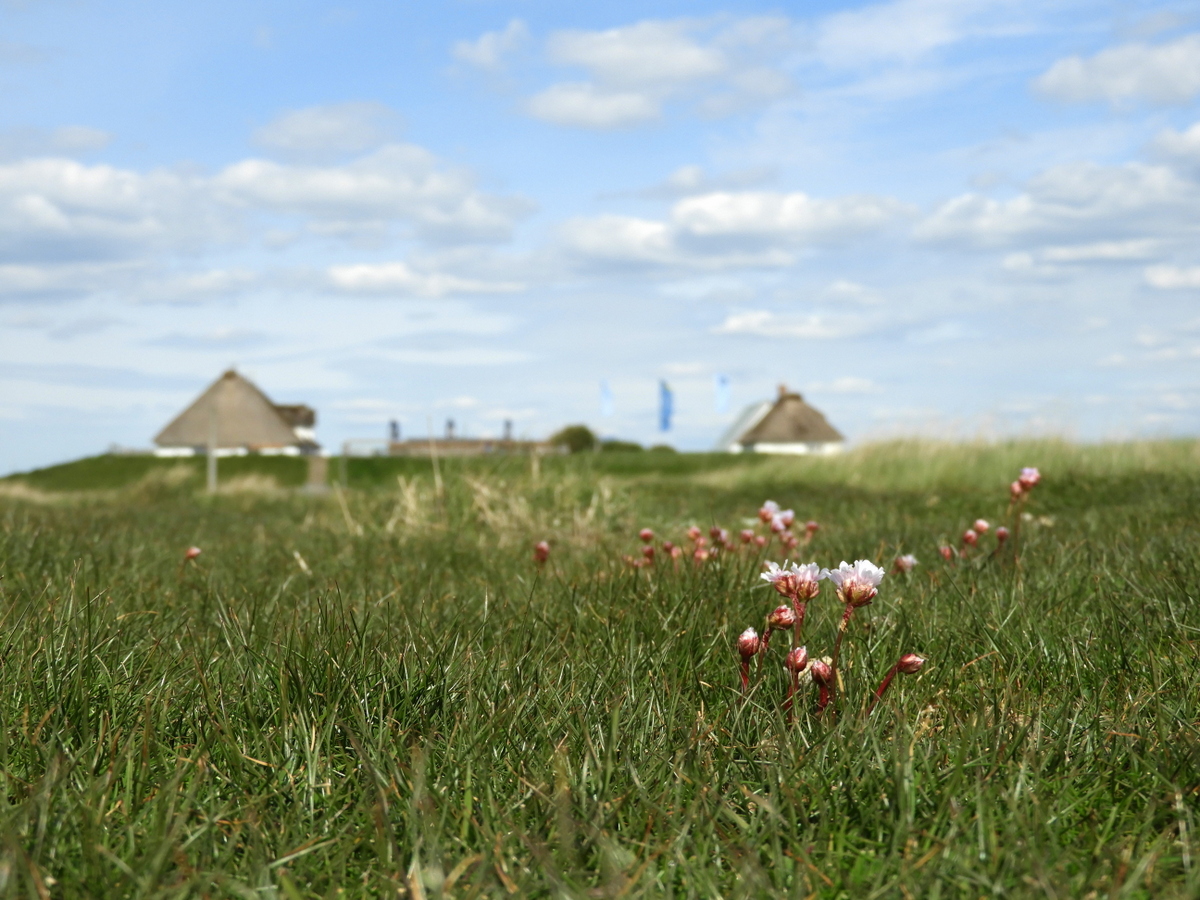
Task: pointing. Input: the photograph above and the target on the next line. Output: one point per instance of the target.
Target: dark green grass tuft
(418, 710)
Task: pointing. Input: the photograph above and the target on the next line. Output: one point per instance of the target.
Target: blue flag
(606, 399)
(721, 392)
(666, 406)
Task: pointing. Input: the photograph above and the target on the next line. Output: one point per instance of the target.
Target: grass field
(376, 692)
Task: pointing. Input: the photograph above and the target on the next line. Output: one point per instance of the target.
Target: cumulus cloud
(1180, 147)
(904, 30)
(398, 278)
(727, 229)
(635, 70)
(764, 323)
(321, 133)
(1167, 73)
(1167, 277)
(585, 105)
(489, 50)
(61, 209)
(1101, 207)
(399, 183)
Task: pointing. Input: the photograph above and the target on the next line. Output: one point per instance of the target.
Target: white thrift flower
(857, 584)
(794, 581)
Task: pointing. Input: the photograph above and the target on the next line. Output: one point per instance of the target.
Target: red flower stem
(823, 700)
(801, 607)
(745, 673)
(791, 696)
(884, 686)
(837, 645)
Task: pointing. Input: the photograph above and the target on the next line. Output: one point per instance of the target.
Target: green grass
(417, 710)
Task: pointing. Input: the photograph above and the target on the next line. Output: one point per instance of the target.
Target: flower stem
(884, 686)
(837, 645)
(745, 673)
(801, 607)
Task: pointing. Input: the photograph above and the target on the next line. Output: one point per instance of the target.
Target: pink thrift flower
(192, 553)
(794, 581)
(787, 517)
(1001, 534)
(982, 526)
(910, 663)
(822, 673)
(778, 525)
(857, 584)
(760, 541)
(668, 548)
(797, 660)
(1029, 478)
(1015, 490)
(693, 533)
(646, 535)
(905, 563)
(970, 537)
(541, 552)
(811, 528)
(746, 535)
(781, 618)
(648, 552)
(947, 552)
(748, 644)
(701, 555)
(768, 511)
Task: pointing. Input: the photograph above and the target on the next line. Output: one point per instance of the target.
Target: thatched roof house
(235, 417)
(787, 425)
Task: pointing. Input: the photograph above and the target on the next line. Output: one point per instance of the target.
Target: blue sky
(947, 217)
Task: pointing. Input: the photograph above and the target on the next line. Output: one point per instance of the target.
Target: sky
(957, 218)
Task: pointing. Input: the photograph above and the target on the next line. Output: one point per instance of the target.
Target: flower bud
(1001, 534)
(541, 552)
(787, 517)
(1029, 478)
(646, 535)
(768, 511)
(748, 644)
(822, 673)
(700, 555)
(668, 548)
(970, 537)
(760, 541)
(192, 553)
(777, 525)
(746, 535)
(905, 563)
(947, 552)
(781, 618)
(982, 526)
(648, 552)
(1015, 490)
(796, 660)
(693, 533)
(811, 528)
(910, 663)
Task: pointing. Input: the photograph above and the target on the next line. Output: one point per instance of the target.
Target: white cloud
(1167, 277)
(1102, 207)
(1158, 73)
(399, 278)
(899, 31)
(635, 70)
(489, 50)
(764, 323)
(397, 183)
(728, 229)
(329, 132)
(1183, 147)
(792, 216)
(843, 291)
(585, 105)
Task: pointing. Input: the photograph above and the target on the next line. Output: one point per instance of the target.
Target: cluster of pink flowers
(857, 585)
(701, 547)
(972, 537)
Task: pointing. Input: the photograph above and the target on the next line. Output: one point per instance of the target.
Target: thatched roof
(792, 421)
(240, 413)
(789, 420)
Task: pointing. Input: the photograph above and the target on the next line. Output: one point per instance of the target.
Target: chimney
(782, 391)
